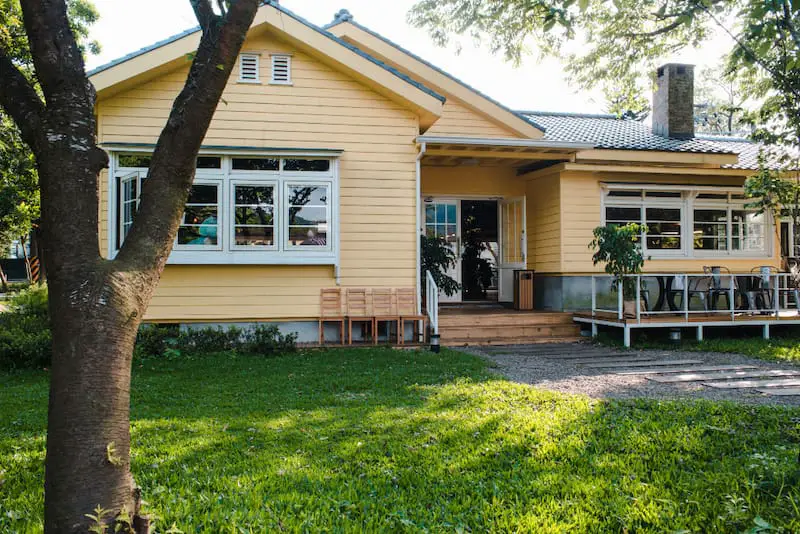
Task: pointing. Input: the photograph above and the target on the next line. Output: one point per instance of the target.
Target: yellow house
(333, 149)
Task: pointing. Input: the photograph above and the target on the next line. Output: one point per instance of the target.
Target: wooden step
(685, 369)
(456, 342)
(664, 363)
(737, 384)
(503, 320)
(500, 332)
(696, 377)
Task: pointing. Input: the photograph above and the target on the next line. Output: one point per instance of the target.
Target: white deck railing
(432, 302)
(773, 294)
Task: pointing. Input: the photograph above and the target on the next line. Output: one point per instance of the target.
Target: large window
(689, 222)
(243, 209)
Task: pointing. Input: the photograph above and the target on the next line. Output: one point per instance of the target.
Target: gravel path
(521, 364)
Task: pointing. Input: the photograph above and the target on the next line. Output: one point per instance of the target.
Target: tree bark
(96, 305)
(3, 280)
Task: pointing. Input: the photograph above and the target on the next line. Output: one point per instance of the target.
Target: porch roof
(506, 152)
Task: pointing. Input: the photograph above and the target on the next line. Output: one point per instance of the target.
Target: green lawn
(381, 440)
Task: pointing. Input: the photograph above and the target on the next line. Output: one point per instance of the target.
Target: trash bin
(523, 289)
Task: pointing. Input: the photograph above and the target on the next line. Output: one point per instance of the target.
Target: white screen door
(442, 220)
(513, 245)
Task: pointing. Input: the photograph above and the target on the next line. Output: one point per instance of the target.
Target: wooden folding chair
(384, 310)
(331, 311)
(358, 311)
(407, 308)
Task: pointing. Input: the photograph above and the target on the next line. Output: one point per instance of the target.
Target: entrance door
(442, 220)
(513, 245)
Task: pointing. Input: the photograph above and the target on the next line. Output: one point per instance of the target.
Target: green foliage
(171, 342)
(380, 440)
(776, 194)
(618, 248)
(437, 258)
(25, 340)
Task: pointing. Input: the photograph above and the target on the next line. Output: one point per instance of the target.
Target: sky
(126, 26)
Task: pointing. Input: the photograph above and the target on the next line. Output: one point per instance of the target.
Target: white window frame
(276, 203)
(272, 60)
(643, 202)
(256, 57)
(230, 255)
(689, 202)
(221, 202)
(285, 214)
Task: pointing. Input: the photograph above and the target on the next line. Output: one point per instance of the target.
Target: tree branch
(172, 168)
(204, 13)
(19, 99)
(56, 55)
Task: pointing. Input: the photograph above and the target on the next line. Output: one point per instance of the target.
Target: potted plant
(619, 248)
(438, 257)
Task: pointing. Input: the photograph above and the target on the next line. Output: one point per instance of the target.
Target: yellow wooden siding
(460, 121)
(322, 109)
(581, 213)
(543, 214)
(465, 181)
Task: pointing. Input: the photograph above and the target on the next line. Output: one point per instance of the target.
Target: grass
(381, 440)
(784, 347)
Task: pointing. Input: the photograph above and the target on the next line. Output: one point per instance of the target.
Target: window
(307, 215)
(690, 222)
(129, 186)
(245, 209)
(253, 215)
(248, 68)
(660, 211)
(200, 222)
(281, 69)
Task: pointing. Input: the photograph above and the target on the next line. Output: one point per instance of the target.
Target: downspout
(422, 148)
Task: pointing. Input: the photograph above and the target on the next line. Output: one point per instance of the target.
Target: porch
(761, 297)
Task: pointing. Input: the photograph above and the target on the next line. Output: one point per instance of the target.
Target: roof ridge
(344, 15)
(572, 114)
(725, 138)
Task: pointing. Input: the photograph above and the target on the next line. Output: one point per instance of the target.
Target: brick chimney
(673, 101)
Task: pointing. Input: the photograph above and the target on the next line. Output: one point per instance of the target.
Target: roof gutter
(520, 143)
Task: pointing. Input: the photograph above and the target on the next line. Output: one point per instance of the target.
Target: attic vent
(281, 70)
(248, 68)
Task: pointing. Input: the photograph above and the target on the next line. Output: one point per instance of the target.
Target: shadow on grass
(410, 441)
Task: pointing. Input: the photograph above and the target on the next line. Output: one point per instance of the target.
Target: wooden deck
(696, 320)
(497, 325)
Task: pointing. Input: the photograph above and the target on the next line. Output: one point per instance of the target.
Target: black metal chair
(760, 292)
(719, 286)
(697, 288)
(792, 286)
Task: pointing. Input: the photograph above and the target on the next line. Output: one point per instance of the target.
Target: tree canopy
(618, 44)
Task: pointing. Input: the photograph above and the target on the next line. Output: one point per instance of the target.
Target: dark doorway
(480, 238)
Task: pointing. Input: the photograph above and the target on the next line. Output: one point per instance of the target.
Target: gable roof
(290, 25)
(345, 27)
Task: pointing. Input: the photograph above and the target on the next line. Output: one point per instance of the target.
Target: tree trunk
(3, 280)
(88, 437)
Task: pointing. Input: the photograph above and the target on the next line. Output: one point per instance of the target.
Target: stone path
(601, 371)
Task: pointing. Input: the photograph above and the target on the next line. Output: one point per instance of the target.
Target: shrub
(170, 342)
(25, 339)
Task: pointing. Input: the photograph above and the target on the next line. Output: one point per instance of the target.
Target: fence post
(619, 299)
(731, 295)
(638, 298)
(594, 296)
(776, 295)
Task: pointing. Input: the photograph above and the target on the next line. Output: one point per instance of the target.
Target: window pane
(308, 215)
(624, 193)
(199, 225)
(712, 196)
(255, 164)
(134, 160)
(663, 228)
(623, 215)
(430, 213)
(307, 165)
(663, 194)
(308, 195)
(209, 162)
(747, 231)
(254, 213)
(710, 229)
